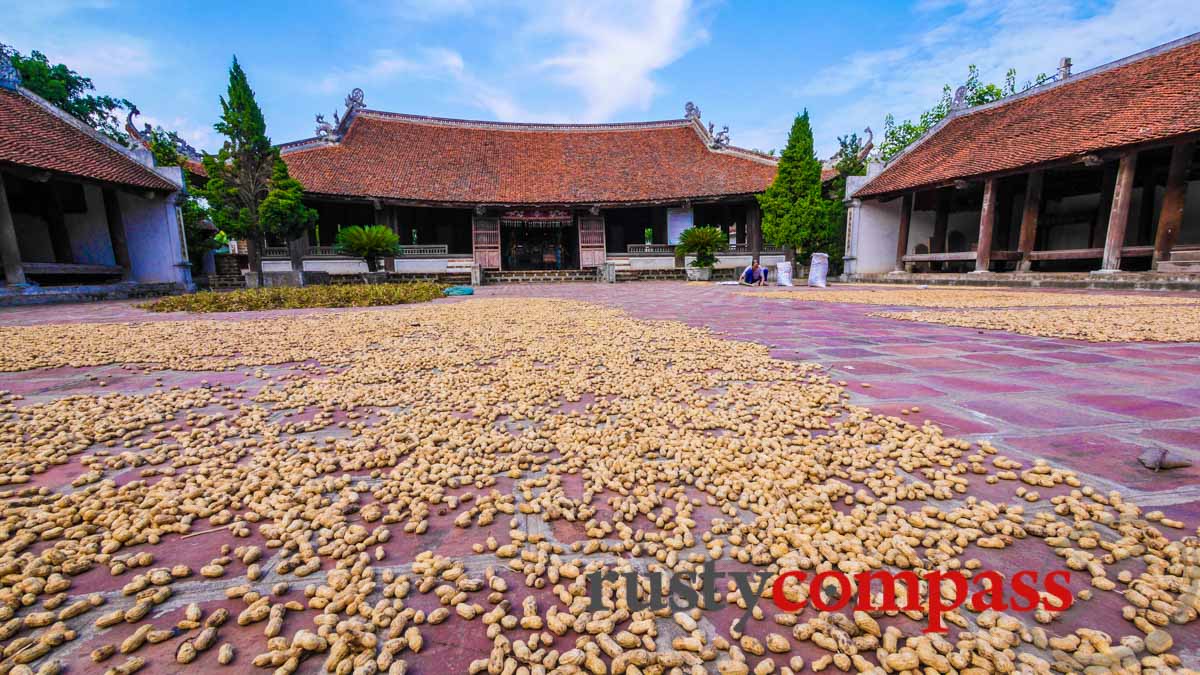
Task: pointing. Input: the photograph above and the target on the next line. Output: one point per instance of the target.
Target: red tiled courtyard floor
(1088, 407)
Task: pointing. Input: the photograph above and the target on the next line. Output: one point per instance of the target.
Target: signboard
(678, 220)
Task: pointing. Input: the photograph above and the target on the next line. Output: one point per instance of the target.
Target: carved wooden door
(591, 241)
(485, 240)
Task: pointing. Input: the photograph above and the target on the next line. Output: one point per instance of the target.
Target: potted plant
(702, 242)
(368, 242)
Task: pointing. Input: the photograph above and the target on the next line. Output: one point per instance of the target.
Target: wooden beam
(906, 206)
(1118, 216)
(753, 230)
(10, 251)
(116, 232)
(987, 223)
(1170, 219)
(1029, 218)
(70, 268)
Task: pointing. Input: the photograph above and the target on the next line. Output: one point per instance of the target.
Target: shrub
(285, 297)
(702, 242)
(368, 242)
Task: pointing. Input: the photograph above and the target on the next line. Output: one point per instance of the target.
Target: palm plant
(368, 242)
(703, 242)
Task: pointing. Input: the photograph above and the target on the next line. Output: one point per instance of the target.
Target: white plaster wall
(155, 236)
(330, 265)
(920, 229)
(33, 238)
(421, 265)
(873, 236)
(651, 262)
(90, 243)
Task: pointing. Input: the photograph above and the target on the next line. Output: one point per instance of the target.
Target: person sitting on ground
(754, 275)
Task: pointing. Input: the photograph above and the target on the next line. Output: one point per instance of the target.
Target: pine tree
(239, 175)
(283, 214)
(794, 213)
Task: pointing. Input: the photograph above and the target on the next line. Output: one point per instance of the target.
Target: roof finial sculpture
(333, 132)
(10, 77)
(691, 111)
(868, 146)
(960, 99)
(719, 139)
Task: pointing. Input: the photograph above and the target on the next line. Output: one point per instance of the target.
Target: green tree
(69, 91)
(795, 213)
(897, 136)
(239, 175)
(283, 214)
(197, 228)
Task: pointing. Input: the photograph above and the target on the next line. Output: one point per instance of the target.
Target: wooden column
(987, 223)
(1170, 219)
(1108, 182)
(754, 230)
(1029, 219)
(906, 204)
(941, 222)
(1118, 215)
(10, 252)
(116, 232)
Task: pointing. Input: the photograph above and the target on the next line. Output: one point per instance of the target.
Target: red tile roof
(1145, 98)
(407, 157)
(32, 136)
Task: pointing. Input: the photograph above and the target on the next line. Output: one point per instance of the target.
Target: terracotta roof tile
(407, 157)
(1149, 98)
(34, 137)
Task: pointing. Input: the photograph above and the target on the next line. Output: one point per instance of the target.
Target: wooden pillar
(60, 238)
(906, 206)
(1108, 182)
(941, 221)
(1029, 219)
(987, 223)
(116, 232)
(1118, 215)
(10, 252)
(1170, 219)
(754, 230)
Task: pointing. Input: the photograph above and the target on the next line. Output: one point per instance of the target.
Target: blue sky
(751, 65)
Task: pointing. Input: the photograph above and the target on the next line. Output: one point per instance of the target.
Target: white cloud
(200, 136)
(610, 51)
(1028, 35)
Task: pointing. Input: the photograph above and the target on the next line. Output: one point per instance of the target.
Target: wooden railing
(669, 249)
(424, 250)
(313, 252)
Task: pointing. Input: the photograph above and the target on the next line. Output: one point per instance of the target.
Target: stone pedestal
(476, 275)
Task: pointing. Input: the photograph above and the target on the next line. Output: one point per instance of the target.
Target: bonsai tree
(368, 242)
(703, 242)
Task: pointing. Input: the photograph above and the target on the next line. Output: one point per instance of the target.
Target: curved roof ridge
(519, 126)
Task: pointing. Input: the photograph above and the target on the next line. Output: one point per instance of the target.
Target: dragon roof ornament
(333, 133)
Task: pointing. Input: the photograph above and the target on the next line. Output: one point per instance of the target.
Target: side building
(1093, 172)
(511, 197)
(80, 215)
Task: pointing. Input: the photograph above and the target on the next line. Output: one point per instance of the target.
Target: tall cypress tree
(793, 210)
(239, 175)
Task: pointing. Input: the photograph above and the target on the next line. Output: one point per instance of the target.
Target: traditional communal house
(546, 200)
(1095, 171)
(81, 215)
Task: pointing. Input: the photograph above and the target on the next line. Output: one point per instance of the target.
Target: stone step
(1176, 267)
(1186, 255)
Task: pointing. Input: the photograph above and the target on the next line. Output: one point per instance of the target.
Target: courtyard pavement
(1089, 407)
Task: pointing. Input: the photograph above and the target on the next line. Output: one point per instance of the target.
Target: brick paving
(1089, 407)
